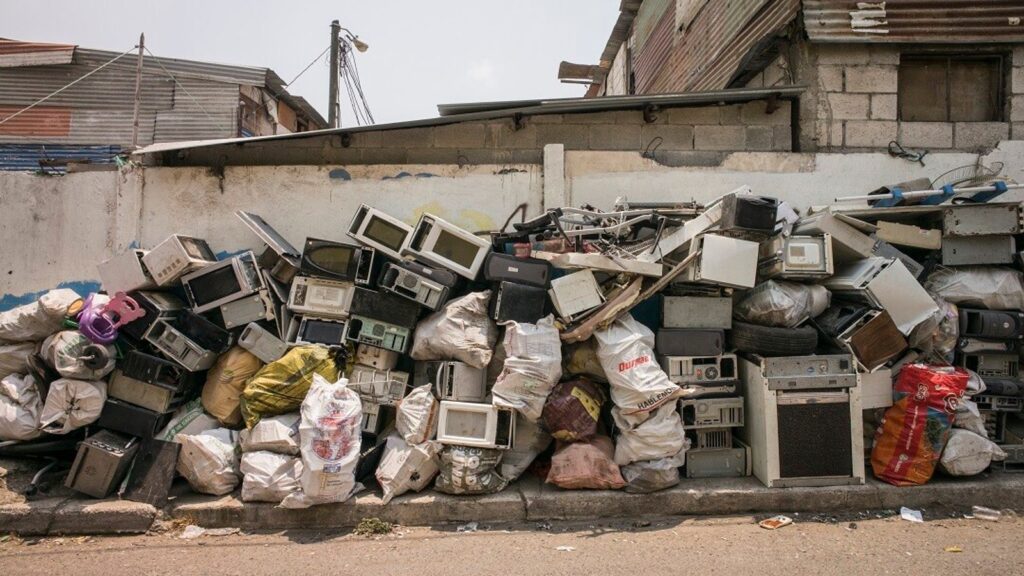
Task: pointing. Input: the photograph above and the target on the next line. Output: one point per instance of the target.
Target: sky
(422, 52)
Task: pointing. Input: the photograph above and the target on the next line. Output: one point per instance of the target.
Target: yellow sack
(280, 387)
(225, 383)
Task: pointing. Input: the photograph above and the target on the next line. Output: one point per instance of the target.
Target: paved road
(707, 546)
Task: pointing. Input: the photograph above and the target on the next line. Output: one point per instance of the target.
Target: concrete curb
(527, 500)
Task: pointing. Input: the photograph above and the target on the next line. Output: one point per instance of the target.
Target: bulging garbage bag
(938, 334)
(225, 382)
(638, 384)
(533, 366)
(968, 417)
(405, 467)
(782, 304)
(462, 330)
(660, 436)
(39, 319)
(416, 416)
(73, 355)
(14, 357)
(469, 470)
(573, 410)
(189, 418)
(332, 416)
(585, 465)
(968, 454)
(71, 404)
(269, 476)
(20, 407)
(992, 287)
(280, 387)
(648, 476)
(580, 359)
(208, 460)
(278, 434)
(530, 440)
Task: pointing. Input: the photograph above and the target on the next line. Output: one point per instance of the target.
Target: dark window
(951, 88)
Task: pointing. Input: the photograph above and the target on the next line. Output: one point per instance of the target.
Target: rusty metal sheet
(41, 121)
(17, 53)
(649, 58)
(917, 21)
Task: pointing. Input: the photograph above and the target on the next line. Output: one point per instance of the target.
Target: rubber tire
(772, 341)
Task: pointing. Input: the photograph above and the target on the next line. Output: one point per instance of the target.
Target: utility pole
(138, 93)
(332, 98)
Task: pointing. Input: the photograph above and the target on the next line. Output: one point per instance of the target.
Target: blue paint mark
(401, 175)
(82, 287)
(340, 174)
(425, 175)
(224, 254)
(133, 246)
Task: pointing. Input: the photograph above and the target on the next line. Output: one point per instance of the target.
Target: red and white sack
(533, 365)
(330, 441)
(403, 467)
(638, 384)
(20, 406)
(71, 404)
(416, 418)
(39, 319)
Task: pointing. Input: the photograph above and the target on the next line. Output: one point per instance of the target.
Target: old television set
(446, 245)
(223, 282)
(477, 425)
(337, 261)
(378, 230)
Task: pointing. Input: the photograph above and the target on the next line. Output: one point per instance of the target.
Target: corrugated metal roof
(649, 58)
(17, 53)
(913, 21)
(27, 157)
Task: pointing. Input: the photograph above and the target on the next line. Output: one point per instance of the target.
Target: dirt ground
(858, 544)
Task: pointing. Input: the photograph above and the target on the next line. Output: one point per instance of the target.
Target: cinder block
(573, 136)
(883, 106)
(730, 114)
(926, 134)
(1017, 130)
(782, 138)
(974, 135)
(390, 155)
(407, 138)
(613, 117)
(759, 138)
(829, 134)
(691, 116)
(830, 78)
(615, 137)
(720, 138)
(844, 54)
(1018, 56)
(757, 113)
(1017, 79)
(882, 54)
(881, 79)
(1017, 108)
(674, 137)
(546, 119)
(466, 135)
(849, 106)
(508, 137)
(869, 133)
(370, 139)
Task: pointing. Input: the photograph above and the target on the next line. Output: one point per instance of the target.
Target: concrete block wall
(855, 87)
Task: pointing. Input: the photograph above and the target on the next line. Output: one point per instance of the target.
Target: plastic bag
(225, 382)
(187, 419)
(462, 330)
(660, 436)
(585, 465)
(530, 440)
(573, 410)
(280, 387)
(20, 406)
(580, 359)
(75, 356)
(404, 467)
(968, 417)
(916, 426)
(532, 367)
(416, 417)
(71, 404)
(332, 415)
(14, 358)
(208, 461)
(938, 334)
(38, 319)
(649, 476)
(468, 470)
(989, 287)
(782, 304)
(268, 476)
(278, 434)
(638, 384)
(968, 454)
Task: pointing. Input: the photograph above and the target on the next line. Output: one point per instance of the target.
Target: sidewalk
(526, 500)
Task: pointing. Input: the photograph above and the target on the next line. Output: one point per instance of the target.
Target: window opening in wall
(951, 88)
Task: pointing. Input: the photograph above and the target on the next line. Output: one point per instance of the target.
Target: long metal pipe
(925, 193)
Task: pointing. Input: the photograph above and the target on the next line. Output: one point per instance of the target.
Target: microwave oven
(477, 425)
(337, 261)
(378, 230)
(445, 244)
(223, 282)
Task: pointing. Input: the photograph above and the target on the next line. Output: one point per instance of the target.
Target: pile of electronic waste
(602, 350)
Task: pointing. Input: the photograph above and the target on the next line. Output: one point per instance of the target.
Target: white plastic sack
(533, 366)
(71, 404)
(273, 434)
(416, 417)
(660, 436)
(20, 406)
(70, 353)
(967, 454)
(651, 475)
(782, 304)
(462, 330)
(404, 467)
(995, 288)
(188, 419)
(14, 357)
(530, 440)
(968, 417)
(468, 470)
(330, 439)
(638, 384)
(937, 335)
(268, 476)
(38, 319)
(208, 460)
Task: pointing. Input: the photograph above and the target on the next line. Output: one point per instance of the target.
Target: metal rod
(332, 98)
(925, 193)
(138, 93)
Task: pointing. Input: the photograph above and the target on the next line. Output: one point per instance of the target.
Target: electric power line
(310, 65)
(183, 89)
